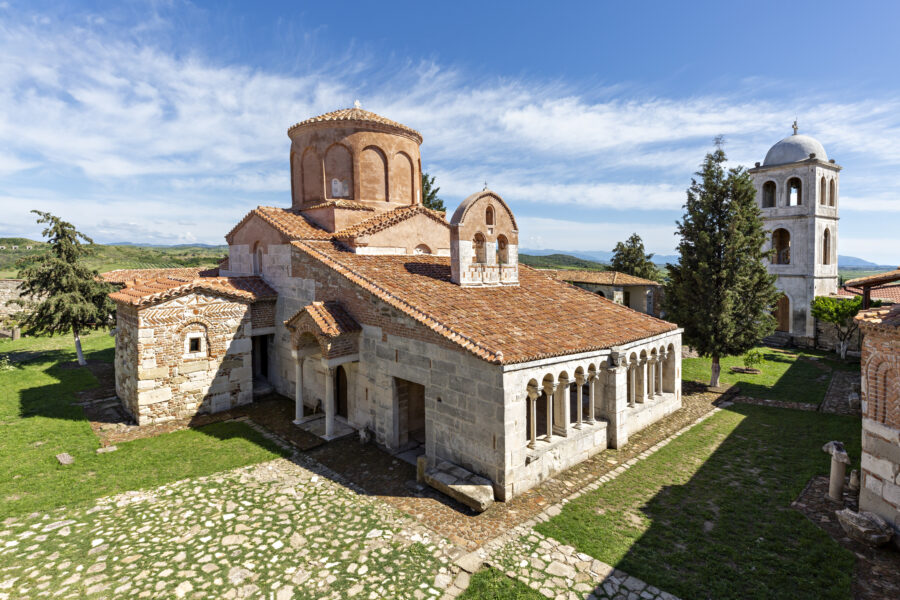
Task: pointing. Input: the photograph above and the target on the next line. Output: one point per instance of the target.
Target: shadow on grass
(720, 525)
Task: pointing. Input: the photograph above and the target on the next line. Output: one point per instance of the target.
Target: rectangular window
(194, 345)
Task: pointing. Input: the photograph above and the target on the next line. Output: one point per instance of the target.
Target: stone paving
(275, 530)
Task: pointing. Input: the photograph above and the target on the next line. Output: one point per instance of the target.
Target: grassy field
(561, 261)
(39, 421)
(491, 584)
(108, 258)
(788, 374)
(708, 515)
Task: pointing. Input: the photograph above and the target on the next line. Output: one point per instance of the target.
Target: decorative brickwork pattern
(142, 293)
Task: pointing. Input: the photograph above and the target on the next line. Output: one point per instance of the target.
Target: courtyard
(698, 505)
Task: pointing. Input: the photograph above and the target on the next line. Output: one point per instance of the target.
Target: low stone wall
(827, 340)
(9, 291)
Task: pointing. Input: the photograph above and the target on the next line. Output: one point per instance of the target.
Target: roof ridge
(384, 220)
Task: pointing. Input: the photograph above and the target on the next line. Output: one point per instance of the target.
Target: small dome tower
(484, 242)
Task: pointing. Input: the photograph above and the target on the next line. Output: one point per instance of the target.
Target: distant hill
(111, 257)
(560, 261)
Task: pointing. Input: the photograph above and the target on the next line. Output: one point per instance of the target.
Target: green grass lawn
(39, 421)
(708, 515)
(491, 584)
(788, 374)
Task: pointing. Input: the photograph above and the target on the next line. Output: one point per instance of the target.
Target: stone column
(548, 391)
(642, 377)
(592, 398)
(532, 412)
(329, 401)
(632, 380)
(298, 388)
(614, 408)
(560, 407)
(579, 396)
(659, 374)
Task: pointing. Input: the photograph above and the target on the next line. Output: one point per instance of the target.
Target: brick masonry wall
(173, 382)
(881, 424)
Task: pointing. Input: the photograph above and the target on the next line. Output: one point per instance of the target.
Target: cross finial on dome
(795, 126)
(485, 186)
(356, 104)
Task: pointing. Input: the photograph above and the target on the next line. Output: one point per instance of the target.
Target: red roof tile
(876, 279)
(387, 219)
(142, 293)
(539, 318)
(291, 224)
(123, 276)
(330, 318)
(598, 277)
(358, 115)
(885, 293)
(884, 317)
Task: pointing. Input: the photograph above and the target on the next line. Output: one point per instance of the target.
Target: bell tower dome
(797, 191)
(484, 242)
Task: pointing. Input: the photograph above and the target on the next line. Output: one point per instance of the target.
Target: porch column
(532, 412)
(560, 407)
(651, 378)
(579, 398)
(642, 377)
(298, 387)
(632, 384)
(329, 401)
(592, 398)
(614, 407)
(548, 391)
(659, 374)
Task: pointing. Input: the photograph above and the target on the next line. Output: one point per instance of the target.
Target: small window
(831, 193)
(781, 242)
(422, 249)
(489, 216)
(768, 194)
(822, 188)
(502, 250)
(194, 345)
(478, 244)
(795, 192)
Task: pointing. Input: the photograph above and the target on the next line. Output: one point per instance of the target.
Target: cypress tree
(720, 291)
(70, 297)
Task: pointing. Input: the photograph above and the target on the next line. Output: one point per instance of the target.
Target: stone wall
(172, 379)
(880, 492)
(9, 291)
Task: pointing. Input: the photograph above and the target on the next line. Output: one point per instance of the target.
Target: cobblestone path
(275, 530)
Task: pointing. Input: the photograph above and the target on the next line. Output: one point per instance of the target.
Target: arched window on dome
(822, 198)
(489, 216)
(502, 250)
(831, 193)
(826, 247)
(781, 243)
(795, 191)
(478, 246)
(768, 199)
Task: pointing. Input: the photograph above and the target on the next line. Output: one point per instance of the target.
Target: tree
(430, 194)
(628, 257)
(839, 313)
(720, 291)
(69, 297)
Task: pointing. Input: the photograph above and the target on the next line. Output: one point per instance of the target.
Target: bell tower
(484, 242)
(797, 189)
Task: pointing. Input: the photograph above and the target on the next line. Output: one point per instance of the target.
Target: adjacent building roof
(385, 220)
(872, 280)
(540, 318)
(151, 291)
(291, 224)
(330, 318)
(885, 293)
(123, 276)
(358, 115)
(885, 317)
(597, 277)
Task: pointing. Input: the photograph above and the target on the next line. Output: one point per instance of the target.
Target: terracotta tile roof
(290, 223)
(122, 276)
(142, 293)
(387, 219)
(884, 317)
(598, 277)
(888, 277)
(347, 204)
(539, 318)
(330, 318)
(885, 293)
(360, 116)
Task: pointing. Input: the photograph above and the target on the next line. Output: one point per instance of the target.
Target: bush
(754, 359)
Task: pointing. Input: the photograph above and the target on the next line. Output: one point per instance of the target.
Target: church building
(378, 315)
(797, 189)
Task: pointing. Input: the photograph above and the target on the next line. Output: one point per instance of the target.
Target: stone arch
(769, 194)
(826, 247)
(338, 172)
(781, 243)
(196, 328)
(311, 175)
(532, 408)
(879, 384)
(373, 174)
(544, 420)
(600, 293)
(479, 247)
(502, 250)
(402, 184)
(794, 192)
(831, 195)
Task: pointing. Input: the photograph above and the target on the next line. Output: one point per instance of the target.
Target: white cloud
(561, 234)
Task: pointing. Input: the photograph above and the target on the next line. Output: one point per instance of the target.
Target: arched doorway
(340, 392)
(782, 314)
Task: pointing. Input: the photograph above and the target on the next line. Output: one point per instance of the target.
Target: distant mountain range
(604, 256)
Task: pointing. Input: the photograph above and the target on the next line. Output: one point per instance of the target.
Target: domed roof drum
(357, 115)
(795, 148)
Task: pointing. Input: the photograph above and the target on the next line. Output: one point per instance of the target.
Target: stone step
(474, 491)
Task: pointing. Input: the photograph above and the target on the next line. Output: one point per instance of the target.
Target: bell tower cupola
(484, 242)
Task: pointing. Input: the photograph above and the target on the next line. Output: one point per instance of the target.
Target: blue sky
(165, 122)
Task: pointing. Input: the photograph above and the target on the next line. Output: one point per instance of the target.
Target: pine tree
(628, 257)
(429, 194)
(69, 296)
(720, 291)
